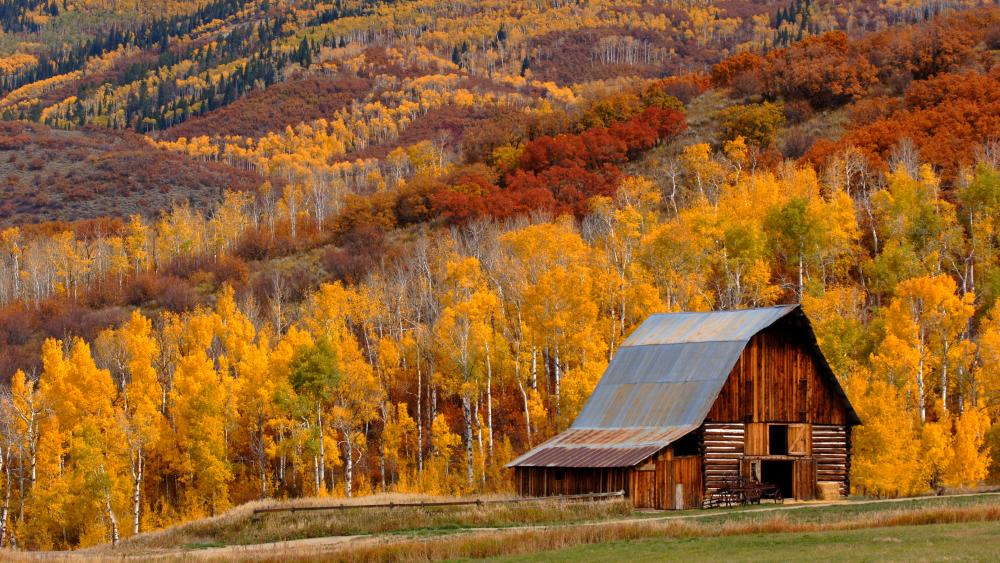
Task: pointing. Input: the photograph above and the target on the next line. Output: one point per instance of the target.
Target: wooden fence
(477, 502)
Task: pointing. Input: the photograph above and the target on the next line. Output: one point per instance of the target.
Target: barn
(693, 401)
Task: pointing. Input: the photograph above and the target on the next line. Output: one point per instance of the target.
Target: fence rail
(477, 502)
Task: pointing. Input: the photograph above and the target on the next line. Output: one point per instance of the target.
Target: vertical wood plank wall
(642, 488)
(687, 472)
(777, 379)
(756, 439)
(549, 481)
(660, 492)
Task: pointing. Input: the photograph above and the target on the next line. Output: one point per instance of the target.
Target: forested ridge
(284, 249)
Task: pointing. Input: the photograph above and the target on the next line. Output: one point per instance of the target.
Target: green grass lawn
(976, 541)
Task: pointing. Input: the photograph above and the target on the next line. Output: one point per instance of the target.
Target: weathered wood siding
(549, 481)
(777, 379)
(654, 484)
(830, 450)
(723, 449)
(756, 439)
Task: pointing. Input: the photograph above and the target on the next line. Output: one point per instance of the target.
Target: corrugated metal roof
(669, 371)
(659, 386)
(714, 326)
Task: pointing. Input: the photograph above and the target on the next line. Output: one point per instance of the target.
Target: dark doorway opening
(688, 445)
(778, 473)
(777, 439)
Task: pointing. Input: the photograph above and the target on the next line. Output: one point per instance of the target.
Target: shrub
(254, 245)
(362, 249)
(141, 289)
(176, 294)
(15, 326)
(757, 123)
(229, 270)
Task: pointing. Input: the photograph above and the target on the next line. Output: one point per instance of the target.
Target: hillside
(290, 249)
(55, 175)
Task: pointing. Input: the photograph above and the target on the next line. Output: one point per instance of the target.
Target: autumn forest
(271, 249)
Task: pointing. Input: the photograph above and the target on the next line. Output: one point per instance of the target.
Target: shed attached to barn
(692, 401)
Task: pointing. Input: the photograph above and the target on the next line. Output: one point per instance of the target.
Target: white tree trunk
(420, 420)
(489, 402)
(137, 472)
(112, 519)
(944, 375)
(467, 413)
(348, 462)
(6, 498)
(321, 470)
(920, 383)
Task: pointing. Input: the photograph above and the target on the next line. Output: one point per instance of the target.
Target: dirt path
(317, 546)
(273, 550)
(281, 549)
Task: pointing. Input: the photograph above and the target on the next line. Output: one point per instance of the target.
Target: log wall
(819, 454)
(830, 450)
(723, 448)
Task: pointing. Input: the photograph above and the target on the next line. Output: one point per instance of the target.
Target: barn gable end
(779, 377)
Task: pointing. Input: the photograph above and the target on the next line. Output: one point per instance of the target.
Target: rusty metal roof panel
(593, 447)
(586, 457)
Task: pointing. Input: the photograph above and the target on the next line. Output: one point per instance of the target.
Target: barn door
(804, 479)
(799, 439)
(644, 486)
(687, 480)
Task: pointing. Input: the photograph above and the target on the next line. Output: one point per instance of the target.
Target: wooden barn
(694, 401)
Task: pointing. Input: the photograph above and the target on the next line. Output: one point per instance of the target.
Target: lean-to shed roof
(660, 386)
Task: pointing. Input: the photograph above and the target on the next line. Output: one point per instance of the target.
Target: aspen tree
(198, 409)
(462, 331)
(926, 321)
(133, 350)
(315, 374)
